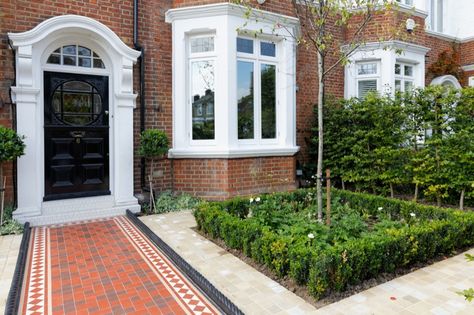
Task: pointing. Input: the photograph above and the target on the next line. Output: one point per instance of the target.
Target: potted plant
(153, 144)
(11, 147)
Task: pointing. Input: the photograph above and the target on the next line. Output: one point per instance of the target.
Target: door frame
(32, 48)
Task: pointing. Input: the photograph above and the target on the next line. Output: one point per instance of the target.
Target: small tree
(153, 144)
(319, 19)
(11, 147)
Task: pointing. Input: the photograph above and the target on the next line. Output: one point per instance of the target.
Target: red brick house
(81, 79)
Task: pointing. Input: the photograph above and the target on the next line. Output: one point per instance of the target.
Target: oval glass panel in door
(76, 103)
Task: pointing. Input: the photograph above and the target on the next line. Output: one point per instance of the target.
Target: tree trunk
(319, 171)
(438, 199)
(2, 194)
(461, 200)
(152, 196)
(328, 197)
(415, 198)
(343, 185)
(392, 193)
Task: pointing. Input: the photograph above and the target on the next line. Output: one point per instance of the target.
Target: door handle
(77, 134)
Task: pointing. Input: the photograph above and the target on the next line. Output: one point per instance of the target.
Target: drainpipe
(137, 46)
(13, 113)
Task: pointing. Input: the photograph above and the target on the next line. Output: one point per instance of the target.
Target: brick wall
(218, 179)
(213, 178)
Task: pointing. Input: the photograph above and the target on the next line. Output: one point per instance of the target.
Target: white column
(123, 137)
(29, 118)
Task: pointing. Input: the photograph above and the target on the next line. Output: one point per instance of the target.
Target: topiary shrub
(11, 147)
(154, 144)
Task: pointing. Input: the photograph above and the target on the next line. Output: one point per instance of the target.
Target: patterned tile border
(225, 305)
(175, 282)
(36, 286)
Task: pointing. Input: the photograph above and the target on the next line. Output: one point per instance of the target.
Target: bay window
(367, 78)
(234, 94)
(404, 77)
(201, 73)
(256, 89)
(385, 67)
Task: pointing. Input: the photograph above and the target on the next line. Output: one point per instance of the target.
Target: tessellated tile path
(104, 267)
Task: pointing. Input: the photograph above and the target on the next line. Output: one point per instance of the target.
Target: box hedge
(439, 232)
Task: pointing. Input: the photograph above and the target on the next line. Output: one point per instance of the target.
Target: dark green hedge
(440, 232)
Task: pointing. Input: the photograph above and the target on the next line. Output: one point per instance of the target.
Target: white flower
(380, 208)
(257, 199)
(311, 235)
(251, 200)
(250, 214)
(412, 215)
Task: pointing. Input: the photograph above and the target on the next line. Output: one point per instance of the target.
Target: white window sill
(231, 153)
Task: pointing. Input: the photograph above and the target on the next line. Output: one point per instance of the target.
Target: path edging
(220, 300)
(13, 300)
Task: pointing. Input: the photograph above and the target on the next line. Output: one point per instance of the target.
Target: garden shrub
(402, 234)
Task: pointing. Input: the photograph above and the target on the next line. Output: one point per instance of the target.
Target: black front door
(76, 135)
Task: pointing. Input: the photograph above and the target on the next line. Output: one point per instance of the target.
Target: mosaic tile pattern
(104, 267)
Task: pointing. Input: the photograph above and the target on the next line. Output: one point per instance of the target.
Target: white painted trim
(229, 9)
(32, 50)
(392, 45)
(240, 153)
(61, 22)
(446, 78)
(468, 67)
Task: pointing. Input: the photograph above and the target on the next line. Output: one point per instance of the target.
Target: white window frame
(402, 77)
(367, 77)
(404, 2)
(226, 22)
(257, 59)
(197, 57)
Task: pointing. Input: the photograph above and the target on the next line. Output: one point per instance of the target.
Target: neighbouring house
(81, 79)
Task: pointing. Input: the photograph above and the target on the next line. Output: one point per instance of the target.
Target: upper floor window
(201, 74)
(75, 55)
(406, 2)
(435, 18)
(256, 89)
(404, 77)
(367, 77)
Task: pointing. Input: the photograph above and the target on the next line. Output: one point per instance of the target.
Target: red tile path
(104, 267)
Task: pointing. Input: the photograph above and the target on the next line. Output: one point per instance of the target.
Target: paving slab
(430, 290)
(9, 249)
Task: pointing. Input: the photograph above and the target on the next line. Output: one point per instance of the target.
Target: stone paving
(430, 290)
(9, 248)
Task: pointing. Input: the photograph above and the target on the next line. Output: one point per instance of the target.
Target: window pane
(245, 100)
(398, 69)
(98, 63)
(83, 51)
(84, 62)
(202, 76)
(69, 60)
(54, 59)
(268, 96)
(367, 68)
(408, 86)
(245, 45)
(202, 44)
(408, 71)
(267, 49)
(69, 50)
(366, 86)
(398, 85)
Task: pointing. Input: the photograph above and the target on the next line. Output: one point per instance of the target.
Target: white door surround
(32, 50)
